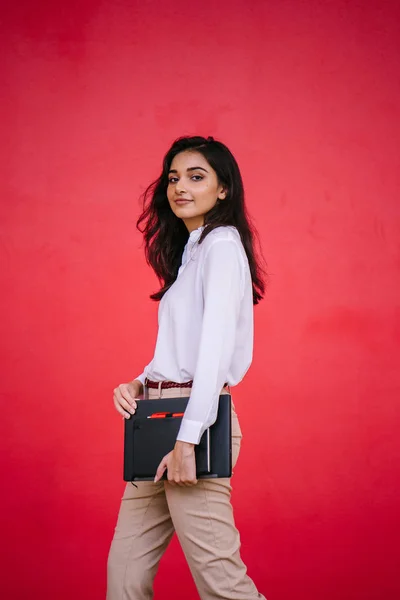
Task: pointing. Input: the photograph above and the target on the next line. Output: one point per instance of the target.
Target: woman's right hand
(125, 397)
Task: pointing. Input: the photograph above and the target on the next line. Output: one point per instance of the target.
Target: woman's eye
(197, 177)
(173, 180)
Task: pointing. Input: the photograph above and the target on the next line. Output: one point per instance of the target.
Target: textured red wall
(307, 95)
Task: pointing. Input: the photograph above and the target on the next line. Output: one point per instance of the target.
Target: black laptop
(152, 431)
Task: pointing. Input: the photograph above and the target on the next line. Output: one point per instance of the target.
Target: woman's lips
(182, 201)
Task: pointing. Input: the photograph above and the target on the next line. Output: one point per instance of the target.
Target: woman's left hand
(180, 465)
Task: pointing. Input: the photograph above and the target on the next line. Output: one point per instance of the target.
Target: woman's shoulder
(228, 236)
(227, 233)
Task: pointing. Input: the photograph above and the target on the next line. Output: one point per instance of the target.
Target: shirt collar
(189, 249)
(195, 235)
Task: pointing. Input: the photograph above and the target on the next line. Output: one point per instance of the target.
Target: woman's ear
(222, 194)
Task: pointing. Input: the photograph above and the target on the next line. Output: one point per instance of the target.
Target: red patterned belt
(165, 385)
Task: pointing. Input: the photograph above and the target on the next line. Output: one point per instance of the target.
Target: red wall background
(307, 95)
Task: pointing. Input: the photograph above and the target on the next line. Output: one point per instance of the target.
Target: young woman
(201, 246)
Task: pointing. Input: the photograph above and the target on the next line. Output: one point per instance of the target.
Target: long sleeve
(141, 377)
(223, 289)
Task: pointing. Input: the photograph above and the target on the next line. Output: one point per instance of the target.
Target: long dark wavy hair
(165, 235)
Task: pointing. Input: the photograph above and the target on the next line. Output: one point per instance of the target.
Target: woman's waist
(165, 384)
(182, 390)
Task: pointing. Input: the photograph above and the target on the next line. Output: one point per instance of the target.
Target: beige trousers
(201, 516)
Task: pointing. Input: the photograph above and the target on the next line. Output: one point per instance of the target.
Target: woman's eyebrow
(196, 169)
(189, 169)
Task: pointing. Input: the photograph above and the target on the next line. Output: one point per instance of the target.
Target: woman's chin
(185, 212)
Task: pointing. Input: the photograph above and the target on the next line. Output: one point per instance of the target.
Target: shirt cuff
(141, 378)
(190, 431)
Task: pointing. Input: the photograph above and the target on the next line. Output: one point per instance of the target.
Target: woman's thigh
(144, 529)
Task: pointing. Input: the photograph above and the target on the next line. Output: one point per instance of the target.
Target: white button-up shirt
(205, 326)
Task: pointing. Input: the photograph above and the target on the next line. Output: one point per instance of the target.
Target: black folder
(148, 438)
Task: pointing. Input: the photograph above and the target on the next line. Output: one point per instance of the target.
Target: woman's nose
(180, 187)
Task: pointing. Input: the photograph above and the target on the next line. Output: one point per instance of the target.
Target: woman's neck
(194, 223)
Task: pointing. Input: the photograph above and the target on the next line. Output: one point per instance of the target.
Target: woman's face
(193, 188)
